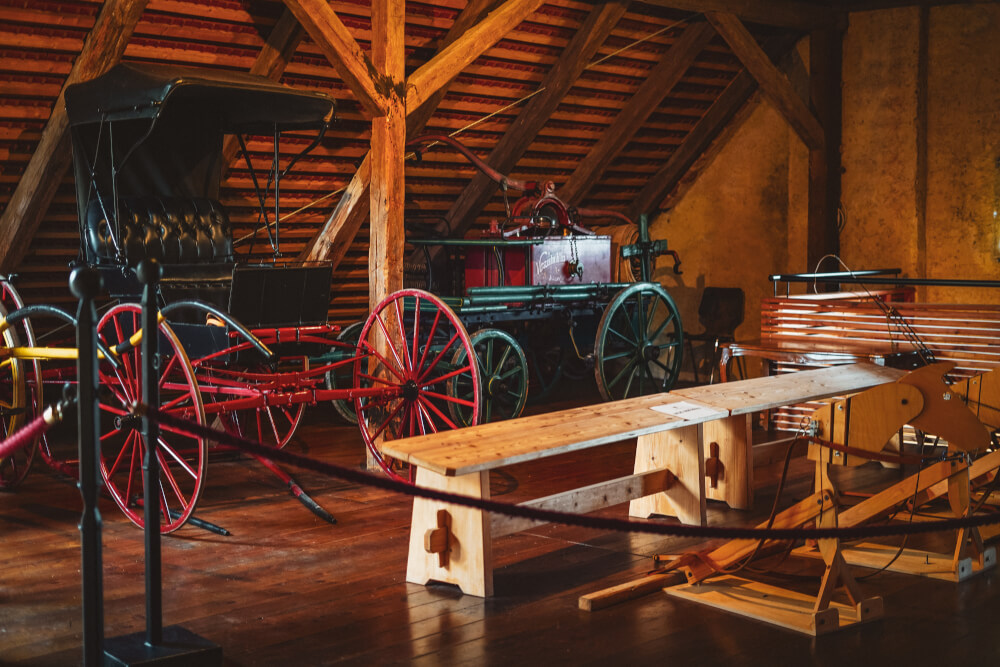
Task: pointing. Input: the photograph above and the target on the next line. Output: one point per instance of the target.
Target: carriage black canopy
(153, 129)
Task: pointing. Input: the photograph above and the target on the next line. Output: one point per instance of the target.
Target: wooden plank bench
(453, 544)
(816, 330)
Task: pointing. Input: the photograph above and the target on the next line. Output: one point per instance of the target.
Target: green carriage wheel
(639, 343)
(503, 373)
(342, 377)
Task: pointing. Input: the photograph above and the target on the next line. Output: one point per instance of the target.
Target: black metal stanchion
(173, 645)
(85, 285)
(149, 276)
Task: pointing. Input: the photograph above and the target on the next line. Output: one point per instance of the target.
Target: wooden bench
(453, 544)
(816, 330)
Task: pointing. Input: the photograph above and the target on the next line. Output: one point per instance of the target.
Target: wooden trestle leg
(455, 549)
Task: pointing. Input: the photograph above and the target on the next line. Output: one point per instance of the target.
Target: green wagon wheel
(503, 373)
(639, 343)
(342, 376)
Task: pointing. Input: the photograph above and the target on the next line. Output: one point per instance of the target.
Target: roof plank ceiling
(41, 39)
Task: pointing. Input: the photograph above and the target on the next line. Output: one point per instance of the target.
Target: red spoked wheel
(181, 456)
(20, 390)
(405, 362)
(271, 425)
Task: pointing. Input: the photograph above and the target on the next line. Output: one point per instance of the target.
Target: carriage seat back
(175, 231)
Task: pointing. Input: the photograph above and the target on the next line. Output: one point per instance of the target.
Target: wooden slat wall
(40, 39)
(966, 334)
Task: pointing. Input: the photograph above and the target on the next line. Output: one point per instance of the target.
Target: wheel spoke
(385, 362)
(166, 472)
(437, 359)
(436, 411)
(622, 372)
(388, 342)
(425, 416)
(447, 376)
(619, 355)
(402, 334)
(430, 338)
(627, 340)
(164, 447)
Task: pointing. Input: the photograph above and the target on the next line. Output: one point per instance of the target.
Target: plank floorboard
(287, 588)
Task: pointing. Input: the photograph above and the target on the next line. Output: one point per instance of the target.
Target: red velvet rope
(24, 436)
(550, 516)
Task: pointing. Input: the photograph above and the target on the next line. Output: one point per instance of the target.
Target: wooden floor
(288, 589)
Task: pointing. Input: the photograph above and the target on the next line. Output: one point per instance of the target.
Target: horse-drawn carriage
(246, 345)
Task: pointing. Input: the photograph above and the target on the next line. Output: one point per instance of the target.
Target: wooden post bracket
(714, 469)
(438, 540)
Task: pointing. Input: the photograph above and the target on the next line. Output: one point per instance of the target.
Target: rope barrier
(32, 430)
(551, 516)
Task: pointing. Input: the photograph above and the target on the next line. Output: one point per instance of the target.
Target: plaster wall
(919, 187)
(963, 142)
(879, 144)
(731, 227)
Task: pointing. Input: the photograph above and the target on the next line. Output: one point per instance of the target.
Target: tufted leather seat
(191, 238)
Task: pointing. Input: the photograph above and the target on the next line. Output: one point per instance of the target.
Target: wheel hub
(495, 386)
(410, 390)
(650, 352)
(127, 422)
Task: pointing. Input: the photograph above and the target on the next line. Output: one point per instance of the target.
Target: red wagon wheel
(271, 425)
(405, 361)
(181, 457)
(20, 390)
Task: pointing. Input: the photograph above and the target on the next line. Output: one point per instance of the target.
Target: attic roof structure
(612, 102)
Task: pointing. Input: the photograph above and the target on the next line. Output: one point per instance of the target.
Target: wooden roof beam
(557, 83)
(780, 13)
(773, 84)
(102, 49)
(701, 137)
(455, 57)
(284, 38)
(337, 234)
(353, 66)
(643, 103)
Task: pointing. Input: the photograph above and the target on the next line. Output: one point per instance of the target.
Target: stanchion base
(179, 647)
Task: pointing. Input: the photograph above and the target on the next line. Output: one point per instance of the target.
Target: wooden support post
(680, 451)
(37, 186)
(337, 234)
(824, 161)
(469, 562)
(734, 485)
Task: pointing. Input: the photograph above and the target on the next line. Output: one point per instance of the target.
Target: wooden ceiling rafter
(537, 112)
(778, 13)
(333, 38)
(773, 84)
(641, 105)
(274, 56)
(334, 239)
(103, 47)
